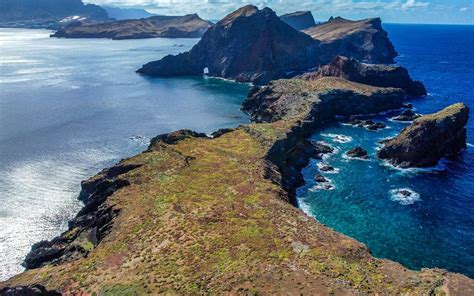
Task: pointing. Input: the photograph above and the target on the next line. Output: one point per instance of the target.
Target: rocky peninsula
(195, 214)
(429, 138)
(188, 26)
(299, 20)
(201, 215)
(271, 49)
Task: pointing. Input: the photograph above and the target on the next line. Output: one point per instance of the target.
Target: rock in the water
(326, 168)
(358, 152)
(407, 115)
(368, 124)
(32, 290)
(364, 40)
(320, 178)
(429, 138)
(318, 100)
(299, 20)
(371, 74)
(252, 45)
(188, 26)
(322, 147)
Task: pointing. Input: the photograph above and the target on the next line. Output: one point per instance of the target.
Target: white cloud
(410, 4)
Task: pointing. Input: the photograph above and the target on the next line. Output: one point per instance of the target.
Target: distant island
(217, 214)
(188, 26)
(50, 14)
(118, 13)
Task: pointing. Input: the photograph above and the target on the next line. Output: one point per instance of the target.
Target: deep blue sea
(435, 227)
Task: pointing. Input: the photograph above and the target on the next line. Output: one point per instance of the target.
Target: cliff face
(364, 40)
(321, 99)
(188, 26)
(429, 138)
(370, 74)
(247, 45)
(45, 13)
(299, 20)
(252, 45)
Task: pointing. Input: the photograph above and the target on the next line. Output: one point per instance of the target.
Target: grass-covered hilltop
(197, 214)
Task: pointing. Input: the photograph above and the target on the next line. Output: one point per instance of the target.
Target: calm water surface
(434, 228)
(69, 108)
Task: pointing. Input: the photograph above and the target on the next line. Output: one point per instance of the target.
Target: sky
(391, 11)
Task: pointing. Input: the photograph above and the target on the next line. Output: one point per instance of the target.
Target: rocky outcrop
(91, 224)
(48, 13)
(406, 115)
(188, 26)
(251, 45)
(429, 138)
(299, 20)
(357, 152)
(319, 100)
(248, 45)
(364, 40)
(33, 290)
(371, 74)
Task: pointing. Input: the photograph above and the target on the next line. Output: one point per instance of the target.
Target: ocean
(69, 108)
(435, 226)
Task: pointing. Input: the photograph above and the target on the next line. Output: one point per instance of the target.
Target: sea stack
(370, 74)
(429, 138)
(299, 20)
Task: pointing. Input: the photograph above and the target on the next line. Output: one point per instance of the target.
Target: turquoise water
(69, 108)
(435, 227)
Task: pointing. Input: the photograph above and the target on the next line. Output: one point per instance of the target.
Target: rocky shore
(429, 138)
(188, 26)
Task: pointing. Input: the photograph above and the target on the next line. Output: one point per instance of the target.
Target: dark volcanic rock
(371, 74)
(299, 20)
(247, 45)
(33, 290)
(47, 13)
(368, 124)
(174, 137)
(429, 138)
(358, 152)
(188, 26)
(364, 40)
(407, 115)
(322, 147)
(318, 100)
(320, 178)
(91, 224)
(326, 168)
(252, 45)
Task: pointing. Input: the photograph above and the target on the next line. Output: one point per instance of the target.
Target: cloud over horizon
(414, 11)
